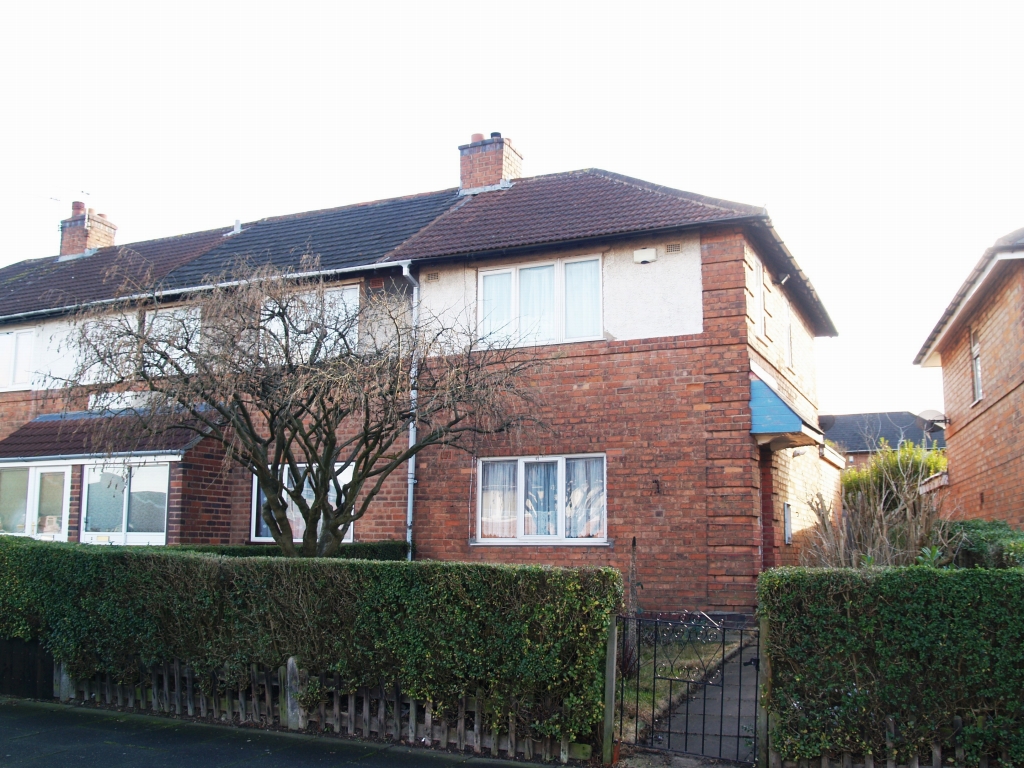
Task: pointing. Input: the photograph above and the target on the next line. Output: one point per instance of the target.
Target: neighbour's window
(126, 504)
(759, 299)
(787, 341)
(34, 501)
(787, 516)
(16, 362)
(542, 303)
(543, 500)
(260, 531)
(976, 365)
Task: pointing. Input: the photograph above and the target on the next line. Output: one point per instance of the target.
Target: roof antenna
(238, 226)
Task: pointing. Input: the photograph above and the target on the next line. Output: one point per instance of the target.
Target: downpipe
(413, 399)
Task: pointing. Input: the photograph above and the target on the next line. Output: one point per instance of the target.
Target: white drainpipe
(413, 397)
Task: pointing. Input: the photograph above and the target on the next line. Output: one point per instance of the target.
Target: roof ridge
(714, 202)
(363, 204)
(391, 255)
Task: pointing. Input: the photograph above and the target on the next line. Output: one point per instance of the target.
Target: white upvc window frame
(32, 502)
(514, 331)
(787, 522)
(974, 348)
(9, 378)
(760, 301)
(255, 511)
(521, 538)
(124, 537)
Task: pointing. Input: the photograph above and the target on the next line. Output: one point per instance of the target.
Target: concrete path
(703, 726)
(41, 734)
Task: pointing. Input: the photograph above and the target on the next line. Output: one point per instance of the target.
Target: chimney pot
(476, 137)
(495, 135)
(92, 211)
(77, 208)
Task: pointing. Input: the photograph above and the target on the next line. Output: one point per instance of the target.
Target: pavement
(34, 733)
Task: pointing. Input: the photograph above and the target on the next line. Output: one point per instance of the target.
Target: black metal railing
(688, 683)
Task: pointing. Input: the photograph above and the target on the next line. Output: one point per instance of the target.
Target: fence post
(764, 678)
(292, 695)
(609, 691)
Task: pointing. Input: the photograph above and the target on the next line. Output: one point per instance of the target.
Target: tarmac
(34, 733)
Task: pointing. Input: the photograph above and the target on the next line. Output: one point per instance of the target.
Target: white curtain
(496, 320)
(537, 304)
(584, 498)
(147, 499)
(13, 500)
(104, 512)
(582, 299)
(498, 499)
(541, 502)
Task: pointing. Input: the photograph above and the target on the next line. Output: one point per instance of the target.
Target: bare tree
(311, 388)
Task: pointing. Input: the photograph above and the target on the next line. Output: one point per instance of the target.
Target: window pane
(537, 304)
(51, 502)
(147, 501)
(498, 500)
(541, 499)
(582, 299)
(584, 498)
(13, 500)
(23, 357)
(497, 305)
(104, 511)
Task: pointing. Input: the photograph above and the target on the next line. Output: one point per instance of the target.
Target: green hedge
(990, 544)
(358, 550)
(850, 648)
(530, 637)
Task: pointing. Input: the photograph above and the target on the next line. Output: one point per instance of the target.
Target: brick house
(859, 435)
(677, 383)
(979, 344)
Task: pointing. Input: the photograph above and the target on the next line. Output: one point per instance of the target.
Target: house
(979, 344)
(677, 378)
(860, 435)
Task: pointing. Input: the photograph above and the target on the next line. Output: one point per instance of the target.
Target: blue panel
(769, 413)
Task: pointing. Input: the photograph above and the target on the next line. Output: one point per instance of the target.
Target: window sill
(534, 543)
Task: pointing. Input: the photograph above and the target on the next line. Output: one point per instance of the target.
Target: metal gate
(688, 683)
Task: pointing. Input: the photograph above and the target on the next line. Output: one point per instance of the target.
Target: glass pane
(13, 500)
(51, 502)
(295, 518)
(498, 500)
(497, 305)
(541, 500)
(104, 511)
(582, 299)
(584, 498)
(147, 501)
(537, 304)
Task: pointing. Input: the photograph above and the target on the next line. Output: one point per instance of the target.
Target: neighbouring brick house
(860, 435)
(677, 382)
(979, 343)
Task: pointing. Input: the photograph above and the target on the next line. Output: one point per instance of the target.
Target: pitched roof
(532, 212)
(76, 434)
(861, 432)
(1005, 244)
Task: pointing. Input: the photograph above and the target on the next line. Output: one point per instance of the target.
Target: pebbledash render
(677, 384)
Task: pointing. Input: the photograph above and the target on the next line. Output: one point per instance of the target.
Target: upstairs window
(759, 299)
(976, 365)
(16, 363)
(542, 500)
(543, 303)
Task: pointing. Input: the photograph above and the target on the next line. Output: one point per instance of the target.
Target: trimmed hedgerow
(357, 550)
(990, 544)
(531, 638)
(850, 648)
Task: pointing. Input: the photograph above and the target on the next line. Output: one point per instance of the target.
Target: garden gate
(688, 683)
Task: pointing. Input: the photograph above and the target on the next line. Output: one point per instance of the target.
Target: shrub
(990, 544)
(850, 648)
(530, 637)
(359, 550)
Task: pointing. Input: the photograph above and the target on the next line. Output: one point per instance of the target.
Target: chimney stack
(488, 163)
(85, 230)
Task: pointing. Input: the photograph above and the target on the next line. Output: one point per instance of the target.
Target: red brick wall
(486, 163)
(984, 439)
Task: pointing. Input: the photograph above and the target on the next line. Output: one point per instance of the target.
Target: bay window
(260, 531)
(34, 501)
(542, 303)
(542, 500)
(126, 504)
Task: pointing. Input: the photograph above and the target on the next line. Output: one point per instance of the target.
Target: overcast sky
(884, 138)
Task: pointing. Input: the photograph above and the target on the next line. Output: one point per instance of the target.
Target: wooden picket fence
(270, 697)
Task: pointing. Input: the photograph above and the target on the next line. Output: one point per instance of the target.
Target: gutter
(413, 399)
(85, 456)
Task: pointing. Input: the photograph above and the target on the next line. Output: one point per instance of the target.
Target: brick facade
(986, 455)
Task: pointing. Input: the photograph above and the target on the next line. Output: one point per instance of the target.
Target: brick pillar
(769, 542)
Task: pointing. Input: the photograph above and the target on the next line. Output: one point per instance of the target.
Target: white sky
(884, 138)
